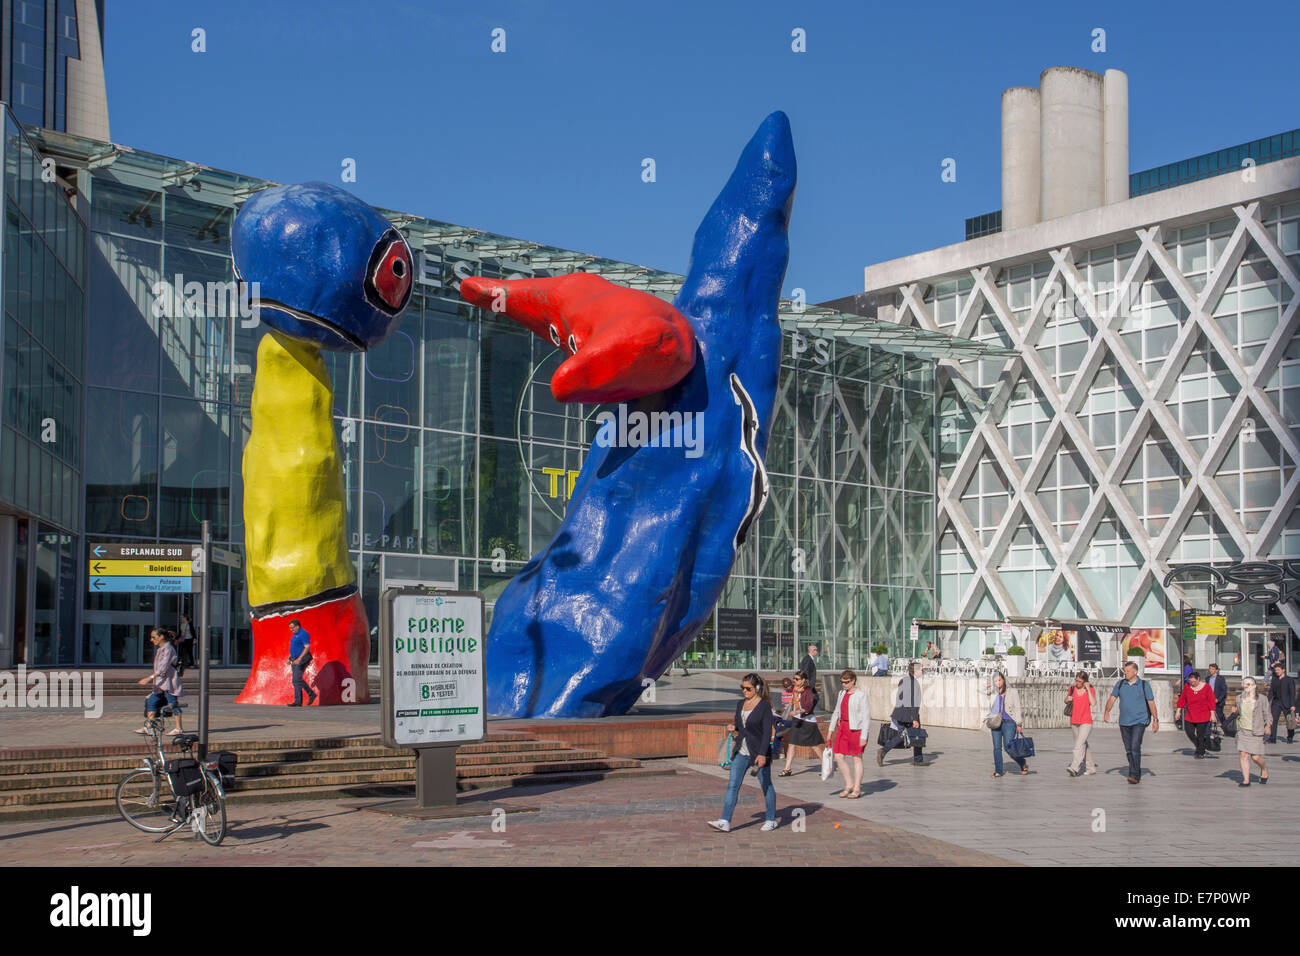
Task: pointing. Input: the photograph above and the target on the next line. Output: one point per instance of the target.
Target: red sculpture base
(340, 650)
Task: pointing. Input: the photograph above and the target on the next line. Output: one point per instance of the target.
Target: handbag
(915, 736)
(725, 749)
(994, 721)
(1230, 725)
(1215, 741)
(828, 763)
(1021, 747)
(1069, 704)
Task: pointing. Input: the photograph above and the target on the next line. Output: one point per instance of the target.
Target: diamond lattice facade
(1150, 418)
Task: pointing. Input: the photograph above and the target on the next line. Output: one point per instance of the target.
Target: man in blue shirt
(1137, 709)
(299, 658)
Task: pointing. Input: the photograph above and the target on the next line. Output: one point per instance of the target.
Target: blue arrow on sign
(98, 584)
(99, 551)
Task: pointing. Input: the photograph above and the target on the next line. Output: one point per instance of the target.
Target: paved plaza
(950, 812)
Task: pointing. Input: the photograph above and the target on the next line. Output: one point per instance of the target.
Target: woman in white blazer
(848, 730)
(1006, 704)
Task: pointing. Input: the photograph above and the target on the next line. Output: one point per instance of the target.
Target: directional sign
(230, 559)
(156, 585)
(141, 568)
(136, 552)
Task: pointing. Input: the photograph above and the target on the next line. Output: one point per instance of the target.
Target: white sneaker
(769, 825)
(721, 825)
(1090, 773)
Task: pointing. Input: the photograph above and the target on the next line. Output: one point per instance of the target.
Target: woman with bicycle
(166, 682)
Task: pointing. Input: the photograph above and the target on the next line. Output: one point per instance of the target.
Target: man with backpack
(1137, 711)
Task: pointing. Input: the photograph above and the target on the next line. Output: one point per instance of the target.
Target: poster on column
(1151, 640)
(1059, 645)
(1089, 645)
(431, 654)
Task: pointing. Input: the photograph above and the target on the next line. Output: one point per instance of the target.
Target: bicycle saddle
(185, 740)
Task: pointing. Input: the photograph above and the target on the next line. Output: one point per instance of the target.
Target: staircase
(82, 781)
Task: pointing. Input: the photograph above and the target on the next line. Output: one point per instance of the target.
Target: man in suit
(809, 666)
(1219, 685)
(1282, 701)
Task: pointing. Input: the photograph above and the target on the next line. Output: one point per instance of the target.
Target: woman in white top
(848, 730)
(1006, 704)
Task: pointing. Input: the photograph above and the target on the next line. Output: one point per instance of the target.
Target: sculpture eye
(555, 336)
(573, 345)
(390, 275)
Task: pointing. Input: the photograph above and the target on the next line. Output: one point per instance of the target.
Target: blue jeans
(1002, 738)
(154, 704)
(1131, 734)
(739, 767)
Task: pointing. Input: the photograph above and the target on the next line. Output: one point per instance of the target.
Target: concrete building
(1150, 417)
(52, 64)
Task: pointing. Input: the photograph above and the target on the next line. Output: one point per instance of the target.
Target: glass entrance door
(776, 643)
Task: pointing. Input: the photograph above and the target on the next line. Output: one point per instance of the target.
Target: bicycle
(163, 796)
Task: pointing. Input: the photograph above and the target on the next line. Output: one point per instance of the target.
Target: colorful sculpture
(651, 533)
(331, 273)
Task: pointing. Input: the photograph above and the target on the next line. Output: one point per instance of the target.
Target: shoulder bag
(994, 721)
(1069, 704)
(1021, 746)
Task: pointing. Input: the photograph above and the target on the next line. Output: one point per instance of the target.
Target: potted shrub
(1139, 657)
(1015, 661)
(989, 652)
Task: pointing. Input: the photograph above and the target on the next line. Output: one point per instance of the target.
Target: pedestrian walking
(1137, 711)
(1187, 668)
(1219, 684)
(1274, 656)
(1282, 701)
(185, 641)
(1195, 705)
(906, 713)
(848, 732)
(1252, 725)
(753, 746)
(809, 666)
(805, 732)
(1006, 714)
(299, 658)
(1079, 701)
(166, 682)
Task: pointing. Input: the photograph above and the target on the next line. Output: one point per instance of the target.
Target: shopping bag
(828, 763)
(1021, 747)
(724, 750)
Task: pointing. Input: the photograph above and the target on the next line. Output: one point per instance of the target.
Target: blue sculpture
(331, 270)
(651, 533)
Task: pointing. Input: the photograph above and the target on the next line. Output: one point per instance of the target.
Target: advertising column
(431, 656)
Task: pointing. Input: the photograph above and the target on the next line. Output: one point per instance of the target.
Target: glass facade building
(458, 461)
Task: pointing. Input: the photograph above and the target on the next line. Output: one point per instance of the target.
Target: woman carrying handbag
(848, 730)
(1004, 720)
(1080, 699)
(753, 745)
(805, 732)
(1253, 722)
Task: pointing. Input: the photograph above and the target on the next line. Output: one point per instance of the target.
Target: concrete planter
(1015, 665)
(1141, 663)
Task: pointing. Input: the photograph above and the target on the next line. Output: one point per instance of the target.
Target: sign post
(433, 694)
(202, 560)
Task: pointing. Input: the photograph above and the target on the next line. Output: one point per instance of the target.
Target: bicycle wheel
(213, 807)
(146, 801)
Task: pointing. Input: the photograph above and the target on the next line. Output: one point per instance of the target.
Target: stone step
(473, 753)
(107, 808)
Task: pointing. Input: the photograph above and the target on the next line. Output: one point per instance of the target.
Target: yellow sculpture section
(295, 513)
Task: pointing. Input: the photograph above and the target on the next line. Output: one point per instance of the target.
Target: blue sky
(546, 140)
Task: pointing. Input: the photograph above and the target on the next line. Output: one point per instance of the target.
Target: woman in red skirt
(848, 730)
